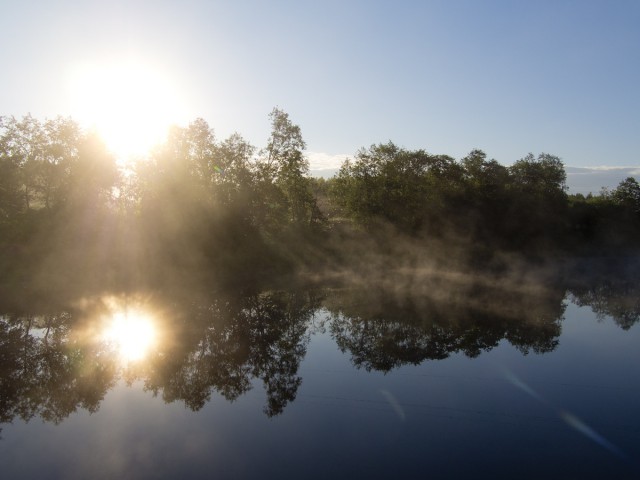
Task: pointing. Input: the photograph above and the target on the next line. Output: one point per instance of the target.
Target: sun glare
(132, 334)
(130, 105)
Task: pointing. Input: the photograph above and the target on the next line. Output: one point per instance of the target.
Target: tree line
(69, 214)
(523, 206)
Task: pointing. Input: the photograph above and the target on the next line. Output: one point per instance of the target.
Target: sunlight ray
(130, 104)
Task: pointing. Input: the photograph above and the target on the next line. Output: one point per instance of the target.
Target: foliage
(609, 220)
(285, 165)
(402, 187)
(198, 209)
(420, 193)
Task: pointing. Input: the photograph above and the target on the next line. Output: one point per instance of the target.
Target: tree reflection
(610, 290)
(46, 372)
(50, 366)
(225, 344)
(383, 330)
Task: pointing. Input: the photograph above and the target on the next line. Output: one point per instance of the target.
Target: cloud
(325, 161)
(592, 179)
(603, 169)
(325, 165)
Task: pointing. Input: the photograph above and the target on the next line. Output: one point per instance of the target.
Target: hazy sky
(509, 77)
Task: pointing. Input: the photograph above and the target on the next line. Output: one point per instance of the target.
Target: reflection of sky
(454, 418)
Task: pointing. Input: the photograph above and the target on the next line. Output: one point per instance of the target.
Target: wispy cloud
(592, 179)
(325, 161)
(601, 169)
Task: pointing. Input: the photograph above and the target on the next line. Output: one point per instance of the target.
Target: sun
(130, 104)
(131, 333)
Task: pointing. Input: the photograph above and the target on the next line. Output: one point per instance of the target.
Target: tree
(538, 200)
(234, 178)
(61, 143)
(22, 145)
(627, 194)
(411, 190)
(182, 168)
(359, 183)
(543, 177)
(485, 177)
(486, 196)
(90, 175)
(42, 158)
(286, 162)
(11, 203)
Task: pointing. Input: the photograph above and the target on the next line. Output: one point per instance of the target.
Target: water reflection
(570, 419)
(48, 370)
(53, 365)
(383, 330)
(611, 289)
(132, 333)
(222, 344)
(187, 348)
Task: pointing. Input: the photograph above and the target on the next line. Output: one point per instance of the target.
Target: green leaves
(399, 186)
(284, 164)
(51, 163)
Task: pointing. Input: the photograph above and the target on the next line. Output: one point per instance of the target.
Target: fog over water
(472, 372)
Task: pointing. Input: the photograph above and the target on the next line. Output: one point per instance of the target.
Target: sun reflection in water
(132, 334)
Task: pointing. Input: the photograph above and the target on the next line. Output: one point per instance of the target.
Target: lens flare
(570, 419)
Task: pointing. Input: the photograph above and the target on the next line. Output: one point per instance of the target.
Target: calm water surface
(336, 383)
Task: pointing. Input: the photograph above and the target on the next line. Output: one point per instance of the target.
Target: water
(330, 383)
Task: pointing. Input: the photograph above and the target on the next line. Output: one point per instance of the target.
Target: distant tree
(91, 175)
(182, 168)
(11, 200)
(61, 142)
(22, 145)
(408, 189)
(359, 185)
(538, 199)
(43, 161)
(486, 196)
(544, 177)
(486, 178)
(285, 161)
(234, 179)
(627, 194)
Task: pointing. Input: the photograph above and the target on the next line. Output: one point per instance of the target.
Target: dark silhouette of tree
(607, 222)
(538, 201)
(411, 190)
(627, 195)
(486, 196)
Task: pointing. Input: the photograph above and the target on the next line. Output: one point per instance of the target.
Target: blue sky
(508, 77)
